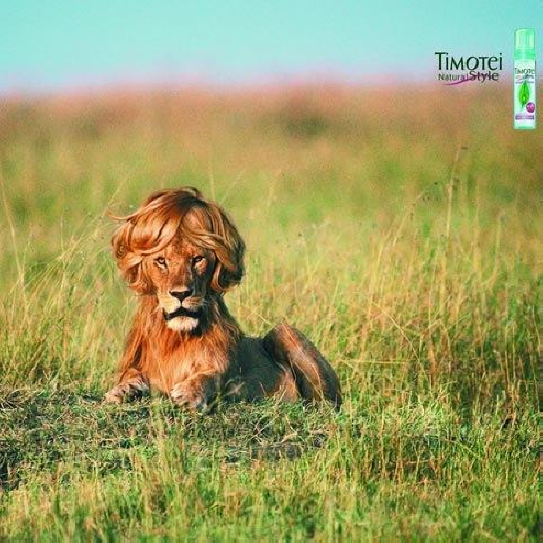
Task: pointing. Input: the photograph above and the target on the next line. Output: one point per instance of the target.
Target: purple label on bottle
(530, 107)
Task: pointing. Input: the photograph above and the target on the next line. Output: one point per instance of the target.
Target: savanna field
(396, 227)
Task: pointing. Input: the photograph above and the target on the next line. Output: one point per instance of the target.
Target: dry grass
(398, 228)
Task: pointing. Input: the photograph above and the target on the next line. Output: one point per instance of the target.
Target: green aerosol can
(524, 80)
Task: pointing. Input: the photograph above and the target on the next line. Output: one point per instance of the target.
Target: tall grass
(397, 228)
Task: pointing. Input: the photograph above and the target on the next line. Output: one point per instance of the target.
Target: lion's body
(184, 342)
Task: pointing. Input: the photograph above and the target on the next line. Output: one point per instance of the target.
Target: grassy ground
(397, 228)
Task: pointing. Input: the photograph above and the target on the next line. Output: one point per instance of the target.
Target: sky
(51, 45)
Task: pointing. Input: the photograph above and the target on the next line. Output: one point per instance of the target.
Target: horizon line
(183, 82)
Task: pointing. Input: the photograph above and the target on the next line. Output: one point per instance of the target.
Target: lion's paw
(126, 392)
(115, 395)
(184, 396)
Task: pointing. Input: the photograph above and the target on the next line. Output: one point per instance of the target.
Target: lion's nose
(181, 294)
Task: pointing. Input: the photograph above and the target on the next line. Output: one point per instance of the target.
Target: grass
(399, 234)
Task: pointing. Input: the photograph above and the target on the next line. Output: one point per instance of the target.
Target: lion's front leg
(132, 385)
(198, 392)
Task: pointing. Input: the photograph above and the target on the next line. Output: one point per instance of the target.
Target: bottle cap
(525, 43)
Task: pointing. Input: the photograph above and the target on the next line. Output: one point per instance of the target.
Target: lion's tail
(315, 378)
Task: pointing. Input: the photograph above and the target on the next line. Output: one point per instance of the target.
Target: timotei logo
(456, 70)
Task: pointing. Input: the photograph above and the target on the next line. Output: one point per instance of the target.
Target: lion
(181, 253)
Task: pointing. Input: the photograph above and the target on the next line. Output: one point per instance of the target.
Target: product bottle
(524, 80)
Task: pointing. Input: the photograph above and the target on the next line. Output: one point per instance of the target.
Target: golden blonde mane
(166, 213)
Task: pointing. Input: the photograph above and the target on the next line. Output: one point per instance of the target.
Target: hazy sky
(55, 44)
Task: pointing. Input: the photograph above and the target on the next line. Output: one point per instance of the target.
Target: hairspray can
(524, 80)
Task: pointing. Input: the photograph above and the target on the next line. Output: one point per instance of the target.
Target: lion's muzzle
(181, 310)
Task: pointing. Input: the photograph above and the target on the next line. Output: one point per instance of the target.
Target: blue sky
(51, 45)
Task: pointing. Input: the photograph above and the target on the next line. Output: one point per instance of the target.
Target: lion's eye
(161, 261)
(197, 259)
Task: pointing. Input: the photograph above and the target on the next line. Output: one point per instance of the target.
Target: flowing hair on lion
(156, 222)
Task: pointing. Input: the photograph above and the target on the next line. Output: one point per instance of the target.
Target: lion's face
(180, 275)
(182, 249)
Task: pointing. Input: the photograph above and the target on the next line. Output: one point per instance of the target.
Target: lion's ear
(129, 262)
(229, 249)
